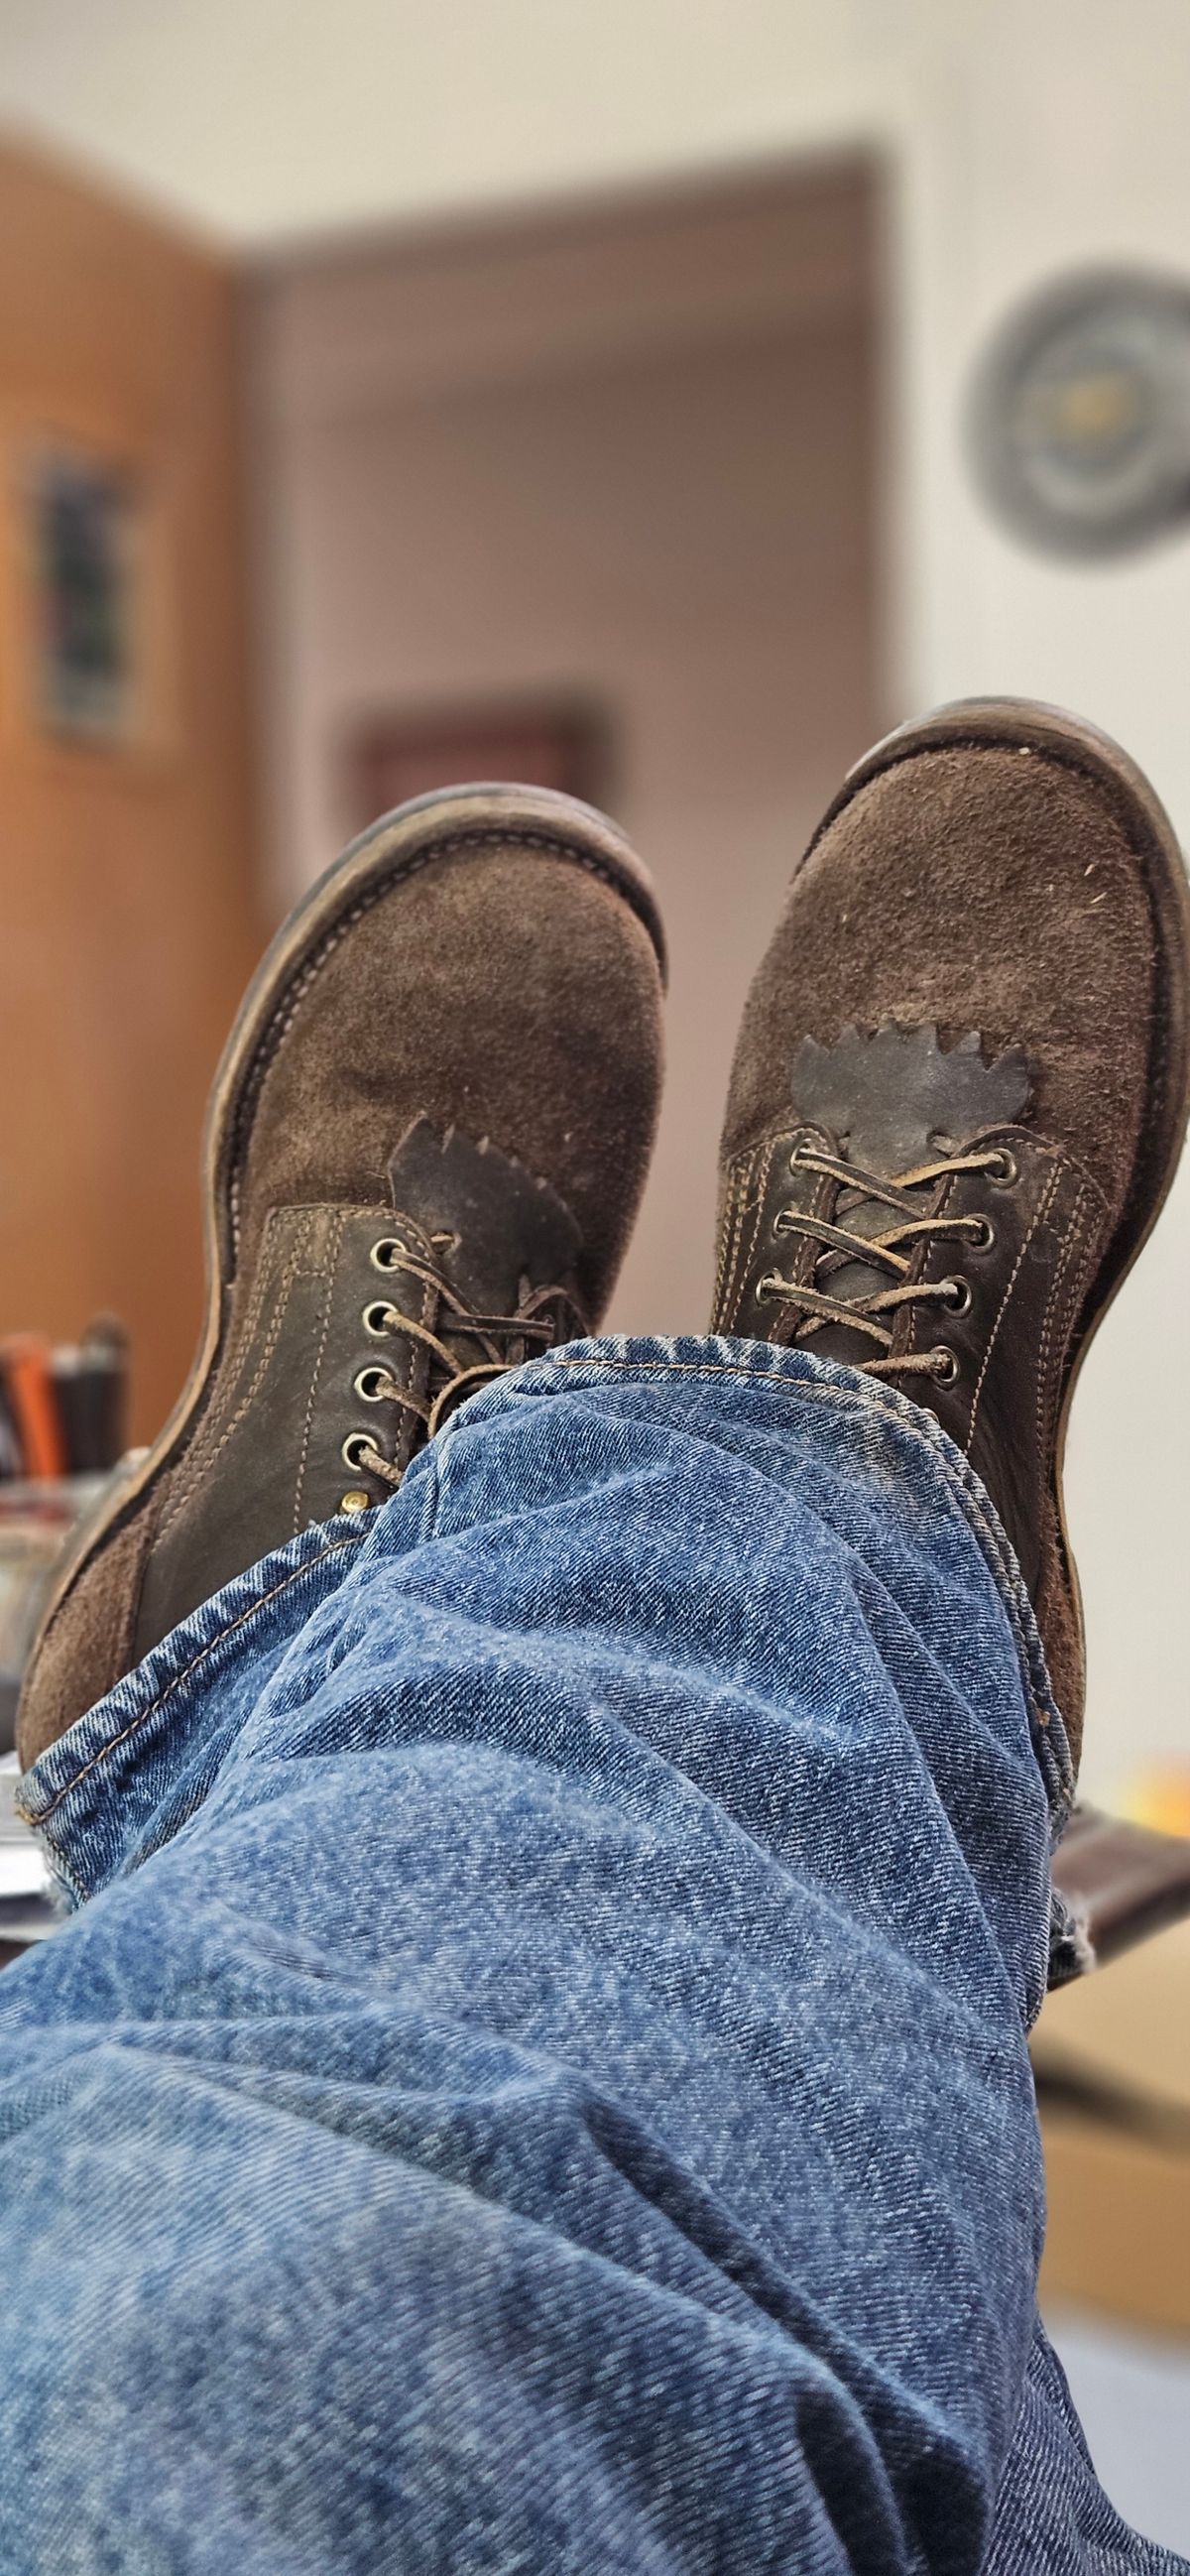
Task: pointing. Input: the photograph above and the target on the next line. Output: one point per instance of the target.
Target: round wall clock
(1080, 414)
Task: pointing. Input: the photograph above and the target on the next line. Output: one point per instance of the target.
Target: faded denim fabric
(538, 2082)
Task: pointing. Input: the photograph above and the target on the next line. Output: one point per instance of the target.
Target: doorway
(621, 463)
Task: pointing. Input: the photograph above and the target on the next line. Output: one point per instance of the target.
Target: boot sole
(396, 847)
(1021, 724)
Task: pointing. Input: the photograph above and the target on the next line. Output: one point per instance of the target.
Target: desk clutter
(27, 1908)
(63, 1418)
(63, 1409)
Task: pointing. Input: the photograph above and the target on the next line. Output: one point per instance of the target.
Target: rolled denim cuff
(125, 1777)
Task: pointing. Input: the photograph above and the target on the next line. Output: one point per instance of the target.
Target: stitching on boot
(750, 1182)
(194, 1466)
(1074, 1233)
(272, 1279)
(1040, 1213)
(199, 1457)
(728, 1230)
(728, 1233)
(316, 1372)
(748, 1201)
(749, 1240)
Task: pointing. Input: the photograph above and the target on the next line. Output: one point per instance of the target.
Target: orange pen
(25, 1359)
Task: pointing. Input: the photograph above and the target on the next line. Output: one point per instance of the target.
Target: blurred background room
(658, 399)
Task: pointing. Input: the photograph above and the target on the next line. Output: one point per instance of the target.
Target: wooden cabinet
(127, 912)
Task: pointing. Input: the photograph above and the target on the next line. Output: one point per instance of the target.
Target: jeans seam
(350, 1538)
(766, 1377)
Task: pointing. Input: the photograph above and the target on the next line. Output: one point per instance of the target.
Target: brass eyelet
(375, 1318)
(981, 1234)
(352, 1451)
(1005, 1172)
(945, 1366)
(956, 1296)
(369, 1384)
(388, 1254)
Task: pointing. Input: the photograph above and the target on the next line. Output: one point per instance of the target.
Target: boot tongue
(490, 1224)
(894, 1100)
(888, 1097)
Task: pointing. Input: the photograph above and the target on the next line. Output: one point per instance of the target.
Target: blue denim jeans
(537, 2079)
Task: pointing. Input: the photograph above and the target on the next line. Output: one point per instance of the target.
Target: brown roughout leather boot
(425, 1148)
(960, 1092)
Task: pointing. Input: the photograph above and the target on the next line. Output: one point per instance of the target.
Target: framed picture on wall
(85, 519)
(540, 743)
(87, 634)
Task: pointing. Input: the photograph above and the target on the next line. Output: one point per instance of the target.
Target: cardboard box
(1111, 2054)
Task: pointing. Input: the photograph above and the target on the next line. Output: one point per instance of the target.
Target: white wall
(1041, 137)
(266, 119)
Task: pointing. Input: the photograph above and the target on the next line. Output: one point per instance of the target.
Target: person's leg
(558, 2098)
(544, 2084)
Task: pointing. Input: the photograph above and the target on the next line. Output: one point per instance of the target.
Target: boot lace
(543, 1317)
(890, 1251)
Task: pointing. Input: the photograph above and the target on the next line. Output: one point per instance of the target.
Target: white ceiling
(265, 121)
